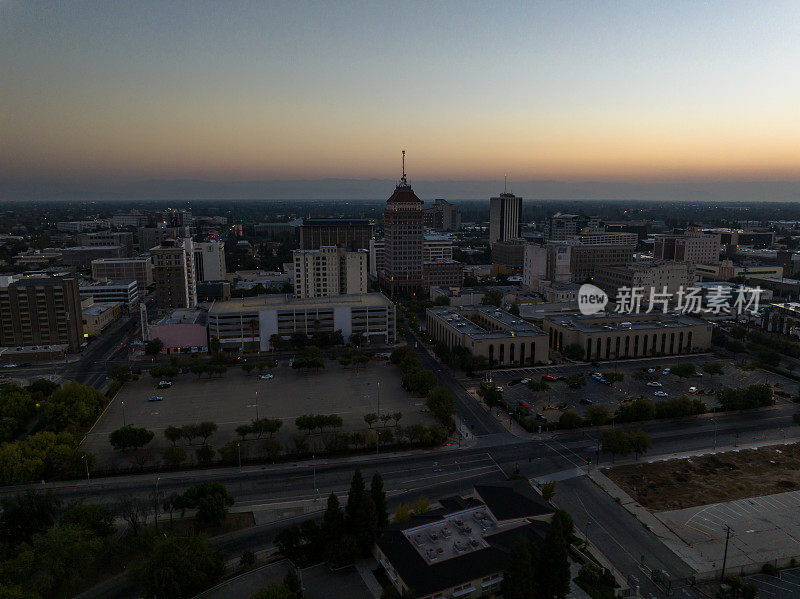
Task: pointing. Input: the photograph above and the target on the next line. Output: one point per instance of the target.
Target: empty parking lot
(238, 398)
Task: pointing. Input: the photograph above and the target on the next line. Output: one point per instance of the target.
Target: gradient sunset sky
(542, 90)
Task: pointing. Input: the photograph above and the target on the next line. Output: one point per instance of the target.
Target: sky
(562, 90)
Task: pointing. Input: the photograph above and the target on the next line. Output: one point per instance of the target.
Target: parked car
(661, 394)
(665, 371)
(605, 381)
(651, 370)
(266, 377)
(654, 384)
(155, 398)
(693, 390)
(597, 375)
(498, 389)
(525, 381)
(549, 377)
(164, 384)
(587, 402)
(540, 417)
(525, 404)
(10, 365)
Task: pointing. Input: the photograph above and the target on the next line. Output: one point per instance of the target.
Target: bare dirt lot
(713, 478)
(238, 398)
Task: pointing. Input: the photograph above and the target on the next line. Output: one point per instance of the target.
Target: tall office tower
(37, 311)
(403, 234)
(348, 233)
(209, 261)
(329, 271)
(174, 274)
(443, 216)
(504, 213)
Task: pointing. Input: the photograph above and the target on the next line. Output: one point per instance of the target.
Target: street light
(239, 452)
(86, 462)
(715, 433)
(158, 479)
(123, 413)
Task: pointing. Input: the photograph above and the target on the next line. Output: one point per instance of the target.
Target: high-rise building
(174, 274)
(140, 268)
(443, 216)
(348, 233)
(37, 311)
(209, 261)
(504, 214)
(403, 235)
(154, 235)
(329, 271)
(564, 226)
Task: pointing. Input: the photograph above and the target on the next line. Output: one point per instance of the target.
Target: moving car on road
(164, 384)
(266, 377)
(661, 394)
(155, 398)
(654, 384)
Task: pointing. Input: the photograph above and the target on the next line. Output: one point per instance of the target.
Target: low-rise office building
(461, 547)
(250, 322)
(727, 270)
(615, 336)
(98, 315)
(443, 273)
(502, 338)
(657, 276)
(118, 269)
(83, 255)
(124, 292)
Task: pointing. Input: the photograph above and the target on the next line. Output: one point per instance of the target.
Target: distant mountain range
(375, 189)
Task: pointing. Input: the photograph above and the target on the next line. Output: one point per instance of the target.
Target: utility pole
(86, 462)
(239, 452)
(725, 556)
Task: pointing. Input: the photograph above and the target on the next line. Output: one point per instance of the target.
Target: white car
(654, 384)
(266, 377)
(10, 365)
(661, 394)
(651, 370)
(665, 371)
(498, 389)
(525, 381)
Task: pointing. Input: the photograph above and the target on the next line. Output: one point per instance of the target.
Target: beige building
(694, 246)
(119, 269)
(443, 273)
(209, 261)
(615, 336)
(250, 323)
(499, 336)
(329, 271)
(98, 315)
(36, 311)
(657, 276)
(726, 270)
(174, 274)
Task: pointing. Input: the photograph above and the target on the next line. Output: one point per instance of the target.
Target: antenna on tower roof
(403, 181)
(505, 183)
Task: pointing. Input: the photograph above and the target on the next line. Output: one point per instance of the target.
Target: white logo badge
(591, 299)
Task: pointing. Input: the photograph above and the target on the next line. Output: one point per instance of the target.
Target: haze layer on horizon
(580, 91)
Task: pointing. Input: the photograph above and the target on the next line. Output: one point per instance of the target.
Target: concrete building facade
(174, 274)
(657, 276)
(505, 211)
(348, 233)
(618, 336)
(209, 261)
(125, 292)
(250, 323)
(443, 216)
(329, 271)
(694, 246)
(140, 268)
(36, 311)
(403, 235)
(502, 338)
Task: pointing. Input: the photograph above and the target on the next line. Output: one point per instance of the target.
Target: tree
(173, 434)
(244, 429)
(292, 582)
(615, 442)
(354, 497)
(214, 345)
(640, 443)
(712, 368)
(552, 568)
(420, 505)
(176, 567)
(365, 524)
(684, 369)
(274, 590)
(93, 517)
(130, 437)
(397, 416)
(332, 520)
(518, 577)
(370, 419)
(205, 454)
(596, 415)
(385, 418)
(614, 377)
(402, 513)
(174, 456)
(576, 381)
(573, 351)
(379, 499)
(211, 499)
(442, 405)
(570, 419)
(206, 429)
(121, 372)
(72, 404)
(154, 347)
(189, 432)
(266, 425)
(548, 490)
(493, 297)
(62, 553)
(25, 515)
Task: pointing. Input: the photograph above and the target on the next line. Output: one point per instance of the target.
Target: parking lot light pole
(123, 413)
(239, 453)
(86, 462)
(715, 433)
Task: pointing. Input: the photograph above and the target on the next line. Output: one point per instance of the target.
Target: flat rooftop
(511, 325)
(103, 284)
(278, 301)
(456, 534)
(598, 323)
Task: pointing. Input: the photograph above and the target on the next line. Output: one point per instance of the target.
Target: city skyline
(634, 94)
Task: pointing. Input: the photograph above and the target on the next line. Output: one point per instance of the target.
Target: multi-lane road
(491, 455)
